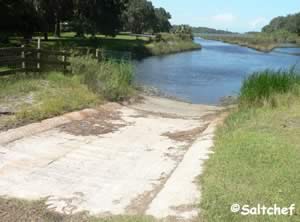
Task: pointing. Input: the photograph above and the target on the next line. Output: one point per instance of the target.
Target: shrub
(110, 79)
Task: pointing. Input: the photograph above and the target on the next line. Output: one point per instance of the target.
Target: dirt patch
(9, 106)
(106, 120)
(185, 136)
(13, 210)
(133, 100)
(174, 157)
(211, 116)
(292, 123)
(145, 114)
(184, 208)
(140, 204)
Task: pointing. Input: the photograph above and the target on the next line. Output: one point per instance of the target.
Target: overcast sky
(232, 15)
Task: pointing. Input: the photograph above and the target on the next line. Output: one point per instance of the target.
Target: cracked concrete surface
(139, 159)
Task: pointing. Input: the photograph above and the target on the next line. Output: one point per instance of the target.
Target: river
(208, 75)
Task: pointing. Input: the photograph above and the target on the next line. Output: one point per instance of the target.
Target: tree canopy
(141, 16)
(290, 23)
(107, 17)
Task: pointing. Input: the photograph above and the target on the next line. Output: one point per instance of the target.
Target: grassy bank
(27, 98)
(139, 46)
(170, 43)
(264, 42)
(257, 152)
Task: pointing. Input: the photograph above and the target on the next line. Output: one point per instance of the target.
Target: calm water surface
(207, 75)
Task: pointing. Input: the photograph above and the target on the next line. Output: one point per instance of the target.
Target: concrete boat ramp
(142, 158)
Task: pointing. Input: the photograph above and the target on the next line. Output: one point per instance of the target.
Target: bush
(110, 79)
(261, 87)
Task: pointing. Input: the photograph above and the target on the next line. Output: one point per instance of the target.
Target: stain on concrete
(106, 120)
(187, 135)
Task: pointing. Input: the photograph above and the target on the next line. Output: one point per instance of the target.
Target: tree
(83, 14)
(290, 23)
(162, 23)
(185, 32)
(139, 16)
(19, 16)
(59, 10)
(52, 13)
(108, 16)
(103, 16)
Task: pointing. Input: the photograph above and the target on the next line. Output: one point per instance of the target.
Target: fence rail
(103, 54)
(23, 59)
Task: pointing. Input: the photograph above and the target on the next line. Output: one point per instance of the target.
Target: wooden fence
(22, 59)
(103, 54)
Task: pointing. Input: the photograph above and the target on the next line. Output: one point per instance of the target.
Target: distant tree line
(185, 32)
(108, 17)
(210, 30)
(290, 23)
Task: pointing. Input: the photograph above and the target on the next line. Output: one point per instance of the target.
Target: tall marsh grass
(110, 79)
(262, 87)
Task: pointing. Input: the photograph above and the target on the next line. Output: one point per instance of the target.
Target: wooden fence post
(97, 54)
(38, 54)
(64, 59)
(23, 58)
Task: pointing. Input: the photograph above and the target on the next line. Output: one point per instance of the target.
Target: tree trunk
(46, 36)
(57, 28)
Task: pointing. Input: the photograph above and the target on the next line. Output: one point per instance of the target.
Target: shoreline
(266, 49)
(138, 98)
(79, 114)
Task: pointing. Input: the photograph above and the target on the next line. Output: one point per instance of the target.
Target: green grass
(34, 97)
(166, 43)
(37, 97)
(67, 41)
(139, 46)
(162, 48)
(111, 79)
(263, 87)
(28, 211)
(62, 94)
(256, 156)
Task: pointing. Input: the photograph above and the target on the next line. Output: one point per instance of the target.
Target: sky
(232, 15)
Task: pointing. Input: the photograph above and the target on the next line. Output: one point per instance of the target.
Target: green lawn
(122, 42)
(256, 161)
(140, 46)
